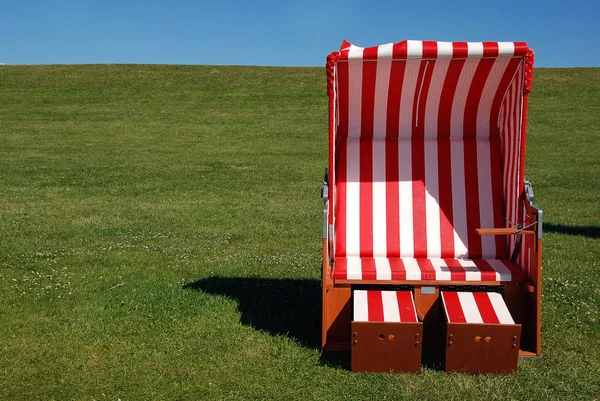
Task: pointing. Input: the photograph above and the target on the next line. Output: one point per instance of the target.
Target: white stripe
(353, 198)
(379, 131)
(434, 248)
(354, 91)
(355, 52)
(445, 308)
(413, 271)
(420, 92)
(486, 199)
(528, 265)
(444, 49)
(500, 308)
(383, 269)
(433, 98)
(354, 269)
(502, 271)
(487, 96)
(460, 97)
(442, 272)
(409, 86)
(459, 203)
(391, 313)
(469, 307)
(506, 48)
(385, 51)
(361, 306)
(379, 199)
(472, 271)
(475, 49)
(414, 48)
(432, 196)
(405, 199)
(414, 308)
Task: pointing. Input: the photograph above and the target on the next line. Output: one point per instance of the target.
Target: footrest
(386, 334)
(482, 336)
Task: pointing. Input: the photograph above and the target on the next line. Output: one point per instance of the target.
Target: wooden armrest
(503, 231)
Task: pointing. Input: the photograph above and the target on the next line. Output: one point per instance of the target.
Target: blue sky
(562, 33)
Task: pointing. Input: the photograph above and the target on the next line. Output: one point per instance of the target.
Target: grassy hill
(160, 238)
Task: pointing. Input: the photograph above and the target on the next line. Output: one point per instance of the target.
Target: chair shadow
(285, 307)
(584, 231)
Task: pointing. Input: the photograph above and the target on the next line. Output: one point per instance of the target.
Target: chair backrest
(427, 143)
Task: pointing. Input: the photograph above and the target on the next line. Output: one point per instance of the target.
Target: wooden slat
(503, 231)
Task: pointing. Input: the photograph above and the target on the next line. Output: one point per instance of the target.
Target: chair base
(386, 347)
(482, 348)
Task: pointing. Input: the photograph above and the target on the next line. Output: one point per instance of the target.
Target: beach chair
(431, 243)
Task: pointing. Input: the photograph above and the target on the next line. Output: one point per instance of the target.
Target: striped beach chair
(425, 186)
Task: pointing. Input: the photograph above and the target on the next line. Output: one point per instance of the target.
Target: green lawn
(160, 238)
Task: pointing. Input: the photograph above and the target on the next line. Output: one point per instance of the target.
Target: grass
(160, 238)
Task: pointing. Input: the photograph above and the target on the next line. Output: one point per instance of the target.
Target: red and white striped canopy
(426, 145)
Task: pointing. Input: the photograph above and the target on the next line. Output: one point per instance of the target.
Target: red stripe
(453, 309)
(418, 160)
(472, 199)
(521, 48)
(457, 272)
(400, 50)
(490, 49)
(486, 310)
(375, 306)
(366, 198)
(369, 271)
(394, 98)
(342, 96)
(340, 229)
(444, 158)
(427, 270)
(471, 164)
(498, 207)
(398, 269)
(460, 49)
(370, 53)
(405, 306)
(340, 268)
(487, 271)
(429, 49)
(369, 73)
(332, 178)
(391, 159)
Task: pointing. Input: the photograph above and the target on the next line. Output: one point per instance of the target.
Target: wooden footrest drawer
(481, 334)
(386, 334)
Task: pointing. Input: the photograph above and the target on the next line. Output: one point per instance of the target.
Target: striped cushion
(425, 269)
(384, 306)
(476, 307)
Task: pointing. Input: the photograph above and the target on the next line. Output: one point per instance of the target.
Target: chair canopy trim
(426, 49)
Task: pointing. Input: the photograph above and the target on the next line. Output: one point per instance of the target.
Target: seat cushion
(435, 269)
(476, 307)
(384, 306)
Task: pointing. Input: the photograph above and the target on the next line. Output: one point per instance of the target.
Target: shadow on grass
(278, 306)
(584, 231)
